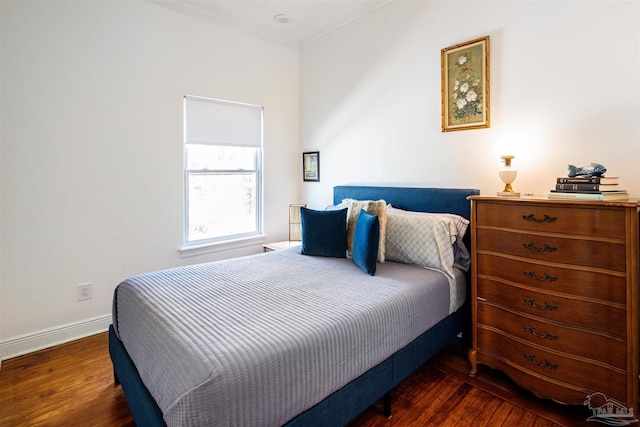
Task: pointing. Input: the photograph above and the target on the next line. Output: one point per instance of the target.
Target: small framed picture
(311, 166)
(465, 85)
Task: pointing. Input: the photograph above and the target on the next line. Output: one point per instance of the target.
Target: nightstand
(276, 246)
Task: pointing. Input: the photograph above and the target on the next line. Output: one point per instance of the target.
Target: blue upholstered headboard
(436, 200)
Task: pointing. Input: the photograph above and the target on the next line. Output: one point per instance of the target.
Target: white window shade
(222, 123)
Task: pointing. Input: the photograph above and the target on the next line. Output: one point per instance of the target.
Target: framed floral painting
(465, 85)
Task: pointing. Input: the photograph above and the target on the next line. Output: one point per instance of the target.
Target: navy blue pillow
(365, 242)
(324, 233)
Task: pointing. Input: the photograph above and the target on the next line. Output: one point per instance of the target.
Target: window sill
(208, 248)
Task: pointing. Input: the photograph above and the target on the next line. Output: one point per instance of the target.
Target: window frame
(228, 241)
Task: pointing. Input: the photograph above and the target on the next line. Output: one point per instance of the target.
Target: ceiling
(308, 19)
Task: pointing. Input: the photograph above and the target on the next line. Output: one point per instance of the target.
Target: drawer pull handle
(547, 334)
(546, 364)
(545, 278)
(546, 218)
(546, 306)
(532, 247)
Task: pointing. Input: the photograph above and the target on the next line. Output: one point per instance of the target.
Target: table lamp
(507, 174)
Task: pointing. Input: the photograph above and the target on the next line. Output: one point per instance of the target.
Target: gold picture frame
(465, 85)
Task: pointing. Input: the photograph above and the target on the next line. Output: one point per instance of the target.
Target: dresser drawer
(607, 287)
(603, 222)
(555, 307)
(541, 386)
(538, 361)
(608, 255)
(555, 336)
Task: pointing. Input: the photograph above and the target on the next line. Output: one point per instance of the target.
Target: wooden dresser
(555, 295)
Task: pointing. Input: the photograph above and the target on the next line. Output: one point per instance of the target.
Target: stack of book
(588, 188)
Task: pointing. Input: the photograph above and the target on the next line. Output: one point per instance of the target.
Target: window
(222, 170)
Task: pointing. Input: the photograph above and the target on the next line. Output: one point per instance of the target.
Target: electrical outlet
(84, 292)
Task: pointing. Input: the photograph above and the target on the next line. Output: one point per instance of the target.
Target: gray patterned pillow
(422, 239)
(462, 259)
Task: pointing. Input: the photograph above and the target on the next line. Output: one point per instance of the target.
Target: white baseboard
(46, 338)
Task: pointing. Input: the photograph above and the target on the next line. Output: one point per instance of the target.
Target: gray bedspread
(255, 341)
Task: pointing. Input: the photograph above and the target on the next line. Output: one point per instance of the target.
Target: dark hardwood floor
(72, 385)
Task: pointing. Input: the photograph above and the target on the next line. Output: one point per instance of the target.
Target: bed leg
(116, 381)
(387, 405)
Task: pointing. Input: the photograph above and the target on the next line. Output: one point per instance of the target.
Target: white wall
(91, 149)
(564, 89)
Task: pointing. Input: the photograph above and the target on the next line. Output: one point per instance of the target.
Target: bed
(322, 349)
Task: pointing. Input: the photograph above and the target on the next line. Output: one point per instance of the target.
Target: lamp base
(509, 193)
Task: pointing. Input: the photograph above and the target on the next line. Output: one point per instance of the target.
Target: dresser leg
(472, 360)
